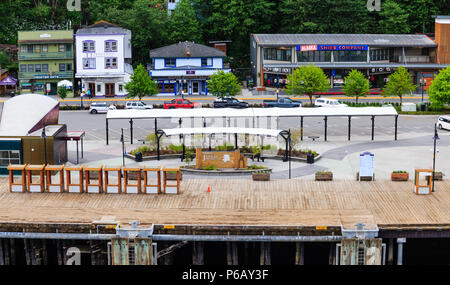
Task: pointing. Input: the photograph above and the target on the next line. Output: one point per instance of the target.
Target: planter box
(438, 177)
(173, 176)
(365, 178)
(399, 176)
(261, 176)
(324, 177)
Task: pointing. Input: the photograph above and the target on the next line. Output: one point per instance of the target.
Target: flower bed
(400, 176)
(298, 153)
(324, 176)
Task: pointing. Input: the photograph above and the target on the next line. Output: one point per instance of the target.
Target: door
(92, 88)
(109, 89)
(195, 87)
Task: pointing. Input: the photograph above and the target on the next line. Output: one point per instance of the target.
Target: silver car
(137, 105)
(100, 107)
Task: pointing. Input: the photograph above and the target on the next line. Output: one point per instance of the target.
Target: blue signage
(331, 47)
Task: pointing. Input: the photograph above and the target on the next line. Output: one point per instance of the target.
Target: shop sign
(331, 47)
(46, 76)
(191, 72)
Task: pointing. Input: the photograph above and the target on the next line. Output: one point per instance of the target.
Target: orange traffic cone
(209, 189)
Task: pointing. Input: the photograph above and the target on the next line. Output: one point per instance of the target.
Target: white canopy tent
(209, 131)
(301, 113)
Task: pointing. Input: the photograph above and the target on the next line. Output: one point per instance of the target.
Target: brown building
(442, 38)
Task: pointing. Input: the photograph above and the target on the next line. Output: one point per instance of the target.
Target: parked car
(137, 105)
(180, 104)
(100, 107)
(282, 103)
(325, 102)
(443, 122)
(230, 103)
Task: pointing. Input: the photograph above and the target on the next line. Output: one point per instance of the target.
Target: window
(379, 54)
(30, 67)
(170, 62)
(88, 46)
(278, 54)
(350, 55)
(99, 88)
(45, 68)
(37, 68)
(88, 63)
(61, 48)
(62, 67)
(30, 48)
(120, 88)
(23, 48)
(111, 62)
(37, 48)
(314, 56)
(9, 157)
(68, 47)
(207, 62)
(110, 46)
(69, 67)
(44, 48)
(23, 68)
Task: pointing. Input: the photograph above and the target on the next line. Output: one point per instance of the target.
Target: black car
(230, 103)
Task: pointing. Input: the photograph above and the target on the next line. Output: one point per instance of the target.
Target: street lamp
(422, 84)
(435, 138)
(44, 136)
(123, 148)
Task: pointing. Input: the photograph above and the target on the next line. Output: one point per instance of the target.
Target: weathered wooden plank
(349, 252)
(143, 251)
(372, 251)
(120, 251)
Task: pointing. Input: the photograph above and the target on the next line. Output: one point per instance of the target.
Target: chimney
(442, 38)
(188, 50)
(220, 45)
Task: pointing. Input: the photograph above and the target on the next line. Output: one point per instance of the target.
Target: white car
(137, 105)
(325, 102)
(443, 122)
(100, 107)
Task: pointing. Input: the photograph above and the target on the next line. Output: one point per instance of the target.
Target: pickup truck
(230, 103)
(282, 103)
(180, 104)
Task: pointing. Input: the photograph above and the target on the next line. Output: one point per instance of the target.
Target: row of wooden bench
(92, 179)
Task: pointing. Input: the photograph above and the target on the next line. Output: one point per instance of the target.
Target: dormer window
(206, 62)
(170, 62)
(88, 46)
(110, 46)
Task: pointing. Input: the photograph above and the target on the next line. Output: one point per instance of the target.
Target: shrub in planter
(365, 178)
(324, 176)
(438, 176)
(399, 175)
(261, 176)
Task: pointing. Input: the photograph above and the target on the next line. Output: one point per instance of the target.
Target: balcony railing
(45, 55)
(48, 75)
(416, 59)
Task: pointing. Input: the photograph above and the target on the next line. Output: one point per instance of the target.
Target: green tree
(399, 84)
(62, 92)
(439, 92)
(223, 84)
(356, 85)
(393, 19)
(141, 84)
(307, 79)
(183, 23)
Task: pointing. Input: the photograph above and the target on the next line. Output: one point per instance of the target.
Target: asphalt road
(95, 125)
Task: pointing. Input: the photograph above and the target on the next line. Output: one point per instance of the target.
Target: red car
(180, 103)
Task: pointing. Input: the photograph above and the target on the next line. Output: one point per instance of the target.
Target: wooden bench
(109, 187)
(128, 187)
(74, 187)
(169, 188)
(38, 187)
(54, 187)
(152, 188)
(95, 188)
(17, 186)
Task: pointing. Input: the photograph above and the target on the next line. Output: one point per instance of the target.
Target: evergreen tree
(183, 23)
(393, 19)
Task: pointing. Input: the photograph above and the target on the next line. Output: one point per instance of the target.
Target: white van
(443, 122)
(325, 102)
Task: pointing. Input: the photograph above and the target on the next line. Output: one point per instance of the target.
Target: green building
(45, 58)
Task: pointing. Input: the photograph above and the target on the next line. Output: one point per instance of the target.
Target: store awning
(9, 80)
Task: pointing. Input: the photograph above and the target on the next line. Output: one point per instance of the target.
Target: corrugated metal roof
(186, 49)
(385, 40)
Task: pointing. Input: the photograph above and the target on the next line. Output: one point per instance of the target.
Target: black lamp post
(44, 136)
(435, 138)
(290, 151)
(422, 84)
(123, 148)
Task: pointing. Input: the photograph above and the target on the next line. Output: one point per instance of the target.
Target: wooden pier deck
(242, 202)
